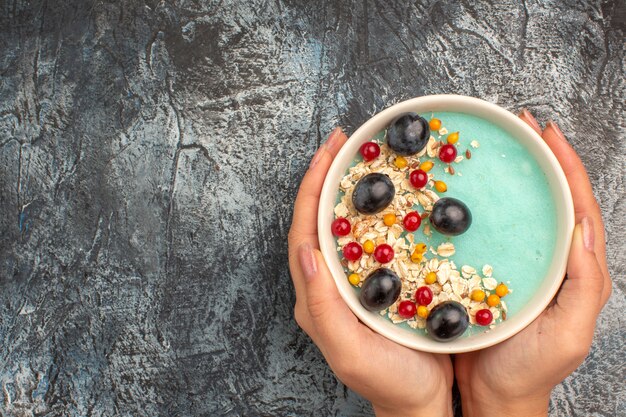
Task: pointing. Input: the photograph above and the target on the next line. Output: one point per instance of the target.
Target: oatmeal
(385, 197)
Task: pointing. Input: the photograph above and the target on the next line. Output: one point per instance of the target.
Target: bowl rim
(559, 189)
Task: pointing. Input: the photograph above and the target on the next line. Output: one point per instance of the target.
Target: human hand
(515, 377)
(397, 380)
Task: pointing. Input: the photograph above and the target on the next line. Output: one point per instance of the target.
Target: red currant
(418, 178)
(407, 309)
(383, 253)
(340, 227)
(369, 151)
(423, 296)
(447, 153)
(412, 221)
(484, 317)
(352, 251)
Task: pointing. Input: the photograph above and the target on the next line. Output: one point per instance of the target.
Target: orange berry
(400, 162)
(453, 138)
(368, 246)
(434, 124)
(502, 290)
(430, 278)
(477, 295)
(422, 311)
(426, 166)
(441, 186)
(416, 257)
(354, 279)
(389, 219)
(493, 300)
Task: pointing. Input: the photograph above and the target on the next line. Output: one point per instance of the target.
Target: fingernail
(317, 157)
(552, 125)
(332, 139)
(530, 118)
(588, 233)
(307, 261)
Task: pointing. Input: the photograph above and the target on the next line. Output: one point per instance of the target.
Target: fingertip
(588, 233)
(324, 300)
(328, 285)
(530, 120)
(308, 261)
(319, 257)
(564, 152)
(555, 138)
(577, 239)
(319, 154)
(579, 298)
(335, 141)
(333, 138)
(552, 130)
(338, 131)
(343, 137)
(582, 262)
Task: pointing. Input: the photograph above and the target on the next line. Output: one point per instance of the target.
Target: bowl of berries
(446, 223)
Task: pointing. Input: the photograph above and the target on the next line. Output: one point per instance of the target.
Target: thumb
(334, 323)
(580, 296)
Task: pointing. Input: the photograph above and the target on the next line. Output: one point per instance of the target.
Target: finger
(530, 120)
(580, 300)
(334, 325)
(585, 204)
(584, 201)
(304, 223)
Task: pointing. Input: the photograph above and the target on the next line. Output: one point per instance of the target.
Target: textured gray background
(149, 158)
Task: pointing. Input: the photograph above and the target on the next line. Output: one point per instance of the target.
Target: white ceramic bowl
(558, 186)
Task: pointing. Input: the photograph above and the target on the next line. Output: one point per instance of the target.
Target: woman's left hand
(397, 380)
(515, 377)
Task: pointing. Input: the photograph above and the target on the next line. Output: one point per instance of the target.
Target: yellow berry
(477, 295)
(426, 166)
(400, 162)
(420, 247)
(422, 311)
(416, 257)
(435, 124)
(389, 219)
(441, 186)
(354, 279)
(493, 300)
(502, 290)
(430, 278)
(368, 246)
(453, 138)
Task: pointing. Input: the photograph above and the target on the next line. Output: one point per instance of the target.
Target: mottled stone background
(150, 153)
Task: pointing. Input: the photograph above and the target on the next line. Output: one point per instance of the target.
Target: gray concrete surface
(150, 152)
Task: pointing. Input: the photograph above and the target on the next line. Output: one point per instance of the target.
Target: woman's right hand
(397, 380)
